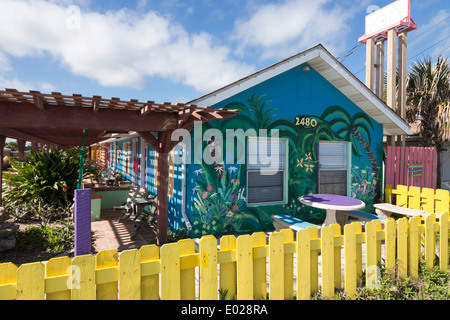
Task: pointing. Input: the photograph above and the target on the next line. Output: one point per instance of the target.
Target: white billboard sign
(391, 16)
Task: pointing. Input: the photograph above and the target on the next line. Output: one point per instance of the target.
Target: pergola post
(391, 75)
(164, 143)
(162, 192)
(2, 145)
(21, 148)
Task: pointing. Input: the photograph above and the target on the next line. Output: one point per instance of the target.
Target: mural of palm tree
(259, 114)
(344, 125)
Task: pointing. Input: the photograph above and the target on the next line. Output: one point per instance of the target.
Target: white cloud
(294, 25)
(116, 48)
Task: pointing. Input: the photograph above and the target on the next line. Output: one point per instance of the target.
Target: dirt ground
(31, 253)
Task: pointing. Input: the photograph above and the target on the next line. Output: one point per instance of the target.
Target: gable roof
(333, 71)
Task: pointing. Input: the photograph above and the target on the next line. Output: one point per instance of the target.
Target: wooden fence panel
(442, 201)
(443, 241)
(244, 257)
(414, 197)
(427, 200)
(414, 247)
(288, 235)
(228, 270)
(327, 253)
(150, 269)
(130, 275)
(208, 268)
(31, 281)
(430, 241)
(187, 275)
(83, 278)
(107, 281)
(304, 265)
(350, 273)
(390, 246)
(56, 286)
(402, 247)
(170, 272)
(411, 166)
(8, 281)
(259, 267)
(315, 247)
(372, 252)
(276, 266)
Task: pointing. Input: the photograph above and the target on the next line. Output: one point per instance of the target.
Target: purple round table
(331, 203)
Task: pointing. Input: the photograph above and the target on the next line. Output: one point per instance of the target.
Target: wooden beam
(17, 134)
(38, 102)
(402, 79)
(370, 61)
(391, 74)
(147, 108)
(150, 139)
(161, 198)
(379, 76)
(95, 104)
(164, 141)
(52, 136)
(391, 69)
(21, 148)
(27, 115)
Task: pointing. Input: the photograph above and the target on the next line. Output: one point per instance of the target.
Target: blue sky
(178, 50)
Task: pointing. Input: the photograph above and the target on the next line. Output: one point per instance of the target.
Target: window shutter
(333, 155)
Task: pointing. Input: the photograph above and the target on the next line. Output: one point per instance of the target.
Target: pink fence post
(82, 221)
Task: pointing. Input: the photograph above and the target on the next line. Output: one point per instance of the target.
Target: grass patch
(431, 284)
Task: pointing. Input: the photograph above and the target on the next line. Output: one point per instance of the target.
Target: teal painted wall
(217, 202)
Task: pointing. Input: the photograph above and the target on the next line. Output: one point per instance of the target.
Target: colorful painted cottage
(330, 140)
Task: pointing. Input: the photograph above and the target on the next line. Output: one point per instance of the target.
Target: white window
(266, 170)
(334, 166)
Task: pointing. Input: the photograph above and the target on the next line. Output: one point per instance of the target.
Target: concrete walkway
(109, 233)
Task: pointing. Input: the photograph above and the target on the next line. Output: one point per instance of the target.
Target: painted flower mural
(220, 202)
(364, 184)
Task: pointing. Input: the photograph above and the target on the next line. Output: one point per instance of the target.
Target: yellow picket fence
(426, 199)
(247, 267)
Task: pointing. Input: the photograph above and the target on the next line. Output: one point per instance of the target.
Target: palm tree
(428, 100)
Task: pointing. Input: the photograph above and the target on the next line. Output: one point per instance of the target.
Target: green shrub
(39, 212)
(44, 177)
(53, 239)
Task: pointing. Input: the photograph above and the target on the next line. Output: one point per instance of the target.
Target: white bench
(285, 221)
(386, 210)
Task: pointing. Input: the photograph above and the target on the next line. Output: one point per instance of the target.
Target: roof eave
(321, 60)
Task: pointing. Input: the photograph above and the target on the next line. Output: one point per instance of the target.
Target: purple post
(82, 219)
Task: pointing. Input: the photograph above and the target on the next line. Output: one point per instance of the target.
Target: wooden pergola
(56, 119)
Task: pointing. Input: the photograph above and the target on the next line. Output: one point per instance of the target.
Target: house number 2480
(306, 122)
